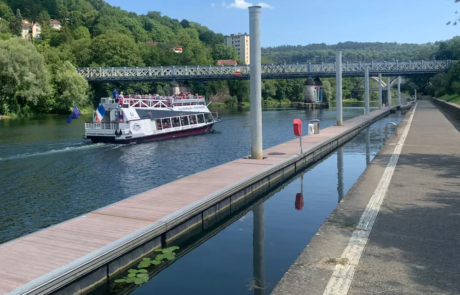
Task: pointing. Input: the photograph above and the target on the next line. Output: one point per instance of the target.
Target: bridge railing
(271, 70)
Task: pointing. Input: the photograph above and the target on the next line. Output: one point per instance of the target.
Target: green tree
(81, 33)
(6, 13)
(220, 51)
(44, 19)
(240, 89)
(268, 89)
(185, 24)
(17, 25)
(5, 32)
(327, 91)
(24, 75)
(71, 88)
(114, 49)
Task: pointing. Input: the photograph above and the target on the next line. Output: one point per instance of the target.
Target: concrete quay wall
(451, 108)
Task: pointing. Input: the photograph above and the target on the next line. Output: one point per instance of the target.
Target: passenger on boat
(120, 98)
(115, 95)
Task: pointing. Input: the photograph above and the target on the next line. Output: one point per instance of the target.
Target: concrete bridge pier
(338, 77)
(380, 91)
(415, 94)
(366, 89)
(388, 92)
(399, 90)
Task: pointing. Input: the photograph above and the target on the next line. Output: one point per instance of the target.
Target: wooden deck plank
(56, 246)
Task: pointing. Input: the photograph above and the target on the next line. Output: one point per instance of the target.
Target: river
(49, 173)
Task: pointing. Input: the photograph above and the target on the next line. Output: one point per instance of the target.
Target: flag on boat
(100, 113)
(75, 114)
(120, 117)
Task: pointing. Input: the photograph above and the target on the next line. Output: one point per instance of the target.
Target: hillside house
(55, 25)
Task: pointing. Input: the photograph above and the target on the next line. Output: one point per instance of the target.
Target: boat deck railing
(150, 101)
(102, 126)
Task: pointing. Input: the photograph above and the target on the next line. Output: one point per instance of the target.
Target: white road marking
(341, 279)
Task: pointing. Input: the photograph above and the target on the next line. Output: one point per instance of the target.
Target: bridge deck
(281, 71)
(47, 251)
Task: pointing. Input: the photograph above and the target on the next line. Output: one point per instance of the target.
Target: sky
(302, 22)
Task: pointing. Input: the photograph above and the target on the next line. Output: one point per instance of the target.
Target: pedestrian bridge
(283, 71)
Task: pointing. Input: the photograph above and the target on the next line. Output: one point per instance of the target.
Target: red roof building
(227, 62)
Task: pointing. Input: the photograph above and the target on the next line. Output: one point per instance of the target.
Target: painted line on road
(341, 279)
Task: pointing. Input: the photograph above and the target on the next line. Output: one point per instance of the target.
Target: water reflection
(299, 197)
(368, 146)
(259, 284)
(340, 173)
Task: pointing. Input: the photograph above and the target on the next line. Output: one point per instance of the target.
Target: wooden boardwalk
(36, 255)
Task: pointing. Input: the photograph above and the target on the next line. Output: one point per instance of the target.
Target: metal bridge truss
(241, 72)
(393, 82)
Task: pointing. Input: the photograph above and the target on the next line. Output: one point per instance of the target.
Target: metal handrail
(395, 132)
(103, 126)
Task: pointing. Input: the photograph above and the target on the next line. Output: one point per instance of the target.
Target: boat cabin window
(176, 122)
(192, 119)
(200, 118)
(159, 127)
(166, 123)
(184, 121)
(208, 117)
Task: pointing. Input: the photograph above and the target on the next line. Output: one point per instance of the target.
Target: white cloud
(265, 5)
(224, 4)
(242, 4)
(213, 4)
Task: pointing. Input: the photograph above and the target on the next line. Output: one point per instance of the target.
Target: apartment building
(241, 43)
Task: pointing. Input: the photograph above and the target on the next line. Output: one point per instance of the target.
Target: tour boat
(138, 118)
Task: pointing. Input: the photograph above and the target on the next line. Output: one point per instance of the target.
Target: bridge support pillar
(256, 83)
(366, 89)
(338, 77)
(389, 91)
(415, 94)
(399, 90)
(380, 91)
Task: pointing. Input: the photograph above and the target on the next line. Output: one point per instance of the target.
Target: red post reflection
(299, 202)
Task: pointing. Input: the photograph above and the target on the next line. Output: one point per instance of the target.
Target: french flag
(100, 113)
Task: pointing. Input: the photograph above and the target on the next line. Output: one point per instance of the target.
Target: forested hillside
(93, 33)
(352, 51)
(38, 75)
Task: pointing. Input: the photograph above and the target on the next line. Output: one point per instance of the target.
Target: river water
(49, 173)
